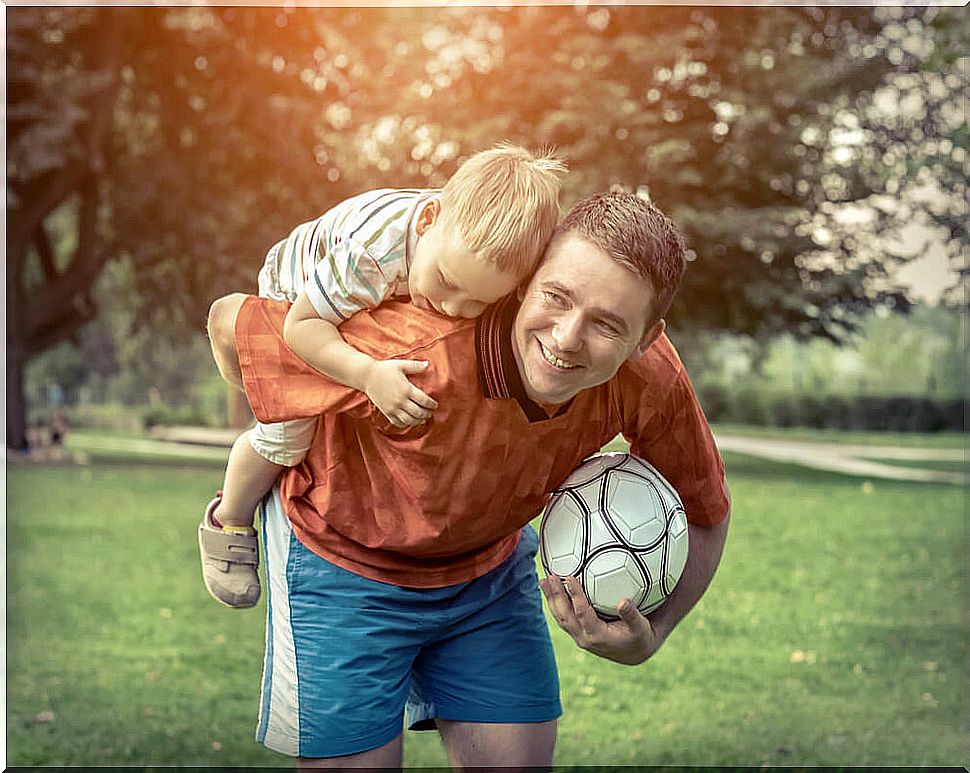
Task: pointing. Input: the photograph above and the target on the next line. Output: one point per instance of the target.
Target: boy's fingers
(413, 366)
(422, 400)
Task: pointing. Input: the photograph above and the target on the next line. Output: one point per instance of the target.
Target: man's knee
(527, 745)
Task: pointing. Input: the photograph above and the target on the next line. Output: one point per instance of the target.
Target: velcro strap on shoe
(234, 548)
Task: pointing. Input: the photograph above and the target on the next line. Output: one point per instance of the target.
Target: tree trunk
(16, 355)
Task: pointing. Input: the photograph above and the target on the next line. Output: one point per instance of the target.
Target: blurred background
(816, 159)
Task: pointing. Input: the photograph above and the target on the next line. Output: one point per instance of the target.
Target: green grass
(940, 465)
(905, 440)
(834, 634)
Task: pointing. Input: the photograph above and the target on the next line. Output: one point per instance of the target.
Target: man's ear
(430, 211)
(653, 333)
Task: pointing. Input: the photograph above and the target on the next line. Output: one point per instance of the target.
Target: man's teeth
(554, 360)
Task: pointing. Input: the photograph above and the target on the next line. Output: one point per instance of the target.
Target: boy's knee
(221, 322)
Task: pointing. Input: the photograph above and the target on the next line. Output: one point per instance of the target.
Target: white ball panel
(635, 508)
(599, 533)
(655, 597)
(592, 468)
(610, 577)
(563, 527)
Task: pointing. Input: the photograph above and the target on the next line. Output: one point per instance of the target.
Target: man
(402, 563)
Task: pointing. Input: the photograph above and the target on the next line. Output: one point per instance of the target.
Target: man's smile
(553, 360)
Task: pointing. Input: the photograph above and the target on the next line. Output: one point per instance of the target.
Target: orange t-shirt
(443, 502)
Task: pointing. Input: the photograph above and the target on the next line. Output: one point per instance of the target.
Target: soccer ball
(619, 527)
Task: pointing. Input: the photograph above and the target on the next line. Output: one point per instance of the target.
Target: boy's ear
(653, 333)
(430, 211)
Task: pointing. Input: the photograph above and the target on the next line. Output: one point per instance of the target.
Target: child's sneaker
(229, 561)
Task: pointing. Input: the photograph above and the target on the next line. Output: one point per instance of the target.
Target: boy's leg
(221, 325)
(227, 540)
(248, 477)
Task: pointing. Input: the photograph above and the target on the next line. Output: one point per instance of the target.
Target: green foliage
(896, 372)
(834, 600)
(891, 413)
(185, 141)
(229, 125)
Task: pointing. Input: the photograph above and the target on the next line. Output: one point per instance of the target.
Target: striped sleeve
(360, 260)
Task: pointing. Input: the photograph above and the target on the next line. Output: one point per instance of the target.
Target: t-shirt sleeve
(348, 278)
(665, 425)
(279, 385)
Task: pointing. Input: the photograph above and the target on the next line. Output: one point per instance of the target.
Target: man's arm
(634, 638)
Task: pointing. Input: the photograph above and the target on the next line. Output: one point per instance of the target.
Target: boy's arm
(384, 382)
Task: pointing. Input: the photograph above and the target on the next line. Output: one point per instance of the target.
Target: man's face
(582, 316)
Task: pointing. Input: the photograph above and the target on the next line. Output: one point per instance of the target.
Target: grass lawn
(940, 465)
(835, 632)
(903, 439)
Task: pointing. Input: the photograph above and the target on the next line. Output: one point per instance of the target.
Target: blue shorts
(344, 654)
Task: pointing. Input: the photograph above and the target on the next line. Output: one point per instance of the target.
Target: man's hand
(630, 640)
(398, 399)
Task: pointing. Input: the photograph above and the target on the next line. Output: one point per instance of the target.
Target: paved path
(851, 460)
(847, 459)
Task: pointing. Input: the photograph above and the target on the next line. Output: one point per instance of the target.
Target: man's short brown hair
(636, 234)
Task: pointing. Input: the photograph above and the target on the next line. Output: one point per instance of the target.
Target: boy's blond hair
(505, 203)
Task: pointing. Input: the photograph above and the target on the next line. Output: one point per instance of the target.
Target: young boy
(455, 251)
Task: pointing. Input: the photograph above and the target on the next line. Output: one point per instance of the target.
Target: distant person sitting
(454, 251)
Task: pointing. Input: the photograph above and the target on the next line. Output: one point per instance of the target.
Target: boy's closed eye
(445, 282)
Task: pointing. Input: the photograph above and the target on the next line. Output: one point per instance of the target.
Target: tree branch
(45, 253)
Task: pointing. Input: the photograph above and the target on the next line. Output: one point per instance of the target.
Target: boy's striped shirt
(353, 257)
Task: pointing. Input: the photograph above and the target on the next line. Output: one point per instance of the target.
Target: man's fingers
(559, 602)
(585, 614)
(630, 615)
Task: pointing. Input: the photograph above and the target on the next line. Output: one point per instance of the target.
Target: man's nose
(568, 333)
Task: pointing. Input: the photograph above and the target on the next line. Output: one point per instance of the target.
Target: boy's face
(446, 276)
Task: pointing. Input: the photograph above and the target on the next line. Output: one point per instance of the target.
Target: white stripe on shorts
(279, 717)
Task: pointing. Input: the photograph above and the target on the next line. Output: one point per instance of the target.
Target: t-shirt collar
(498, 372)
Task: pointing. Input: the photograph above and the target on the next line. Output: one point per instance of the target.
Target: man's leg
(489, 680)
(387, 756)
(479, 744)
(339, 650)
(221, 326)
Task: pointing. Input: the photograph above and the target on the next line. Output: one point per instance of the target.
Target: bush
(759, 406)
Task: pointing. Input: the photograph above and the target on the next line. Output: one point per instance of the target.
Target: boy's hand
(398, 399)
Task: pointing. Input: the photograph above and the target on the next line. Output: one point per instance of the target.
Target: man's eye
(555, 298)
(608, 329)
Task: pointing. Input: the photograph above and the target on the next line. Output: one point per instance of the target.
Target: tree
(122, 116)
(188, 140)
